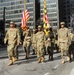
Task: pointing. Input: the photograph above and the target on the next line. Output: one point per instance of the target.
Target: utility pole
(45, 12)
(4, 17)
(34, 16)
(45, 18)
(24, 4)
(58, 14)
(4, 14)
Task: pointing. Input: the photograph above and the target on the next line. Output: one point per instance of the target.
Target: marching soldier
(50, 47)
(71, 47)
(13, 38)
(27, 42)
(34, 41)
(40, 43)
(47, 32)
(63, 41)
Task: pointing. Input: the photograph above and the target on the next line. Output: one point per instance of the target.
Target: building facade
(34, 11)
(66, 11)
(58, 11)
(72, 14)
(13, 11)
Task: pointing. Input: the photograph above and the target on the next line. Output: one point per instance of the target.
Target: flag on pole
(46, 21)
(46, 18)
(24, 20)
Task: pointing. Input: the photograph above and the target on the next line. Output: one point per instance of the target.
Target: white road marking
(47, 74)
(48, 62)
(56, 66)
(72, 72)
(42, 63)
(33, 62)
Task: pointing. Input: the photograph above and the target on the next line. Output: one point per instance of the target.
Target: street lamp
(34, 15)
(4, 14)
(4, 17)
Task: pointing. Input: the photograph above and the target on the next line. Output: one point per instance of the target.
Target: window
(12, 3)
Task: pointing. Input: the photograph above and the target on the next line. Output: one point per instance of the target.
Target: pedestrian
(27, 42)
(63, 41)
(13, 38)
(33, 37)
(40, 41)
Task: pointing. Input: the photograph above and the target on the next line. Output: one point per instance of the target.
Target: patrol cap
(11, 22)
(62, 23)
(39, 26)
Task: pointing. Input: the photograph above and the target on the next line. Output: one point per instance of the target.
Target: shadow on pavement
(4, 57)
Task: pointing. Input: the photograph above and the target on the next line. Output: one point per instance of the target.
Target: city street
(31, 67)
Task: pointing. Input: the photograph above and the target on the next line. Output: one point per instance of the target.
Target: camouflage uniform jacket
(13, 36)
(63, 35)
(40, 39)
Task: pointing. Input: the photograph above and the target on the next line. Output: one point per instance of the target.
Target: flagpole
(24, 4)
(45, 19)
(45, 13)
(45, 10)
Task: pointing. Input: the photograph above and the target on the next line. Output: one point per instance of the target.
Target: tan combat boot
(27, 56)
(42, 59)
(68, 58)
(15, 59)
(39, 60)
(63, 61)
(10, 63)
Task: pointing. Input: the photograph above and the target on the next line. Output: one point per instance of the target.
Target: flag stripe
(25, 18)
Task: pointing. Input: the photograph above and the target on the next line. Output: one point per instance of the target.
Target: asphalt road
(31, 67)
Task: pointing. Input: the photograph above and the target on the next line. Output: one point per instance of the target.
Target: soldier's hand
(20, 42)
(49, 39)
(4, 42)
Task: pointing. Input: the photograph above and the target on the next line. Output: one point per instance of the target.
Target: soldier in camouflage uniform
(27, 42)
(50, 44)
(47, 32)
(71, 47)
(34, 41)
(40, 39)
(63, 41)
(13, 38)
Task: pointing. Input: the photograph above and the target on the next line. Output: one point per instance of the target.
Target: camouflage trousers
(26, 46)
(34, 46)
(40, 51)
(63, 46)
(12, 51)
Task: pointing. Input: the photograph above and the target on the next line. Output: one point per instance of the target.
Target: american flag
(25, 18)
